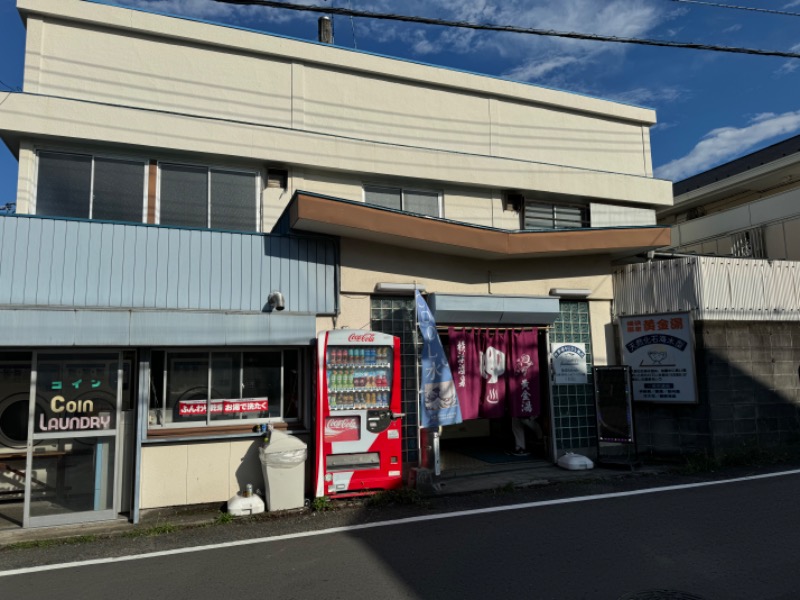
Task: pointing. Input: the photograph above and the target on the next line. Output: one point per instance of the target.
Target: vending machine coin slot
(378, 420)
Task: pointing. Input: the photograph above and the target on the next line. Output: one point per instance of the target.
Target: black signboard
(612, 394)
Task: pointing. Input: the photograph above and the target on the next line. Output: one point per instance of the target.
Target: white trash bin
(284, 463)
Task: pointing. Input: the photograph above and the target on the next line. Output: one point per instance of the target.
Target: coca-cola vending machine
(358, 419)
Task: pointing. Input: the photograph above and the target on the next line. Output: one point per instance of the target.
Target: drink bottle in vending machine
(358, 420)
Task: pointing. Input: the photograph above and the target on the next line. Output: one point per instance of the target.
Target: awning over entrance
(490, 310)
(333, 216)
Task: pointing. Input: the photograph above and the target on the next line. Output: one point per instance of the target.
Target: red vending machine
(358, 420)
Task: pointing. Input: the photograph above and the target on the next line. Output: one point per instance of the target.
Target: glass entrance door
(72, 448)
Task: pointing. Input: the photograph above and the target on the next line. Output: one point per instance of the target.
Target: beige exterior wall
(185, 86)
(603, 334)
(177, 475)
(364, 264)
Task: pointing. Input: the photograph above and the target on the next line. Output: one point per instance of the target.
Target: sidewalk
(520, 476)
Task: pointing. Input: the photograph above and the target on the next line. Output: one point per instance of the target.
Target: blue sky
(711, 107)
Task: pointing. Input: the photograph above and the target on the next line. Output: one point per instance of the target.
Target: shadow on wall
(748, 383)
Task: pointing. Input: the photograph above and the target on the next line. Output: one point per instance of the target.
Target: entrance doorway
(482, 445)
(59, 439)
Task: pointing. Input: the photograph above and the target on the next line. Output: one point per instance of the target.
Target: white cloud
(546, 60)
(725, 143)
(209, 9)
(649, 96)
(792, 4)
(732, 29)
(790, 66)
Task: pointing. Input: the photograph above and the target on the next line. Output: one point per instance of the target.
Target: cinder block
(781, 340)
(744, 411)
(745, 426)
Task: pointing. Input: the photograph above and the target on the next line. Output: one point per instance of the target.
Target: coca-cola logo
(361, 337)
(342, 424)
(342, 429)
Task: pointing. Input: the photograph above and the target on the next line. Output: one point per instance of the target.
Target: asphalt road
(725, 542)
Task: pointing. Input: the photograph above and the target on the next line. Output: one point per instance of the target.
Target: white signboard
(569, 363)
(660, 352)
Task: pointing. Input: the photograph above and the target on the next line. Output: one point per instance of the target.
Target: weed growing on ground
(223, 518)
(153, 531)
(743, 456)
(70, 541)
(321, 504)
(405, 496)
(508, 488)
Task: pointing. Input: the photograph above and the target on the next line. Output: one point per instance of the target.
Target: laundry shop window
(191, 388)
(85, 186)
(420, 202)
(199, 196)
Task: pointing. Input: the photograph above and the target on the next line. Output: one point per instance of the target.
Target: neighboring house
(742, 291)
(174, 173)
(747, 208)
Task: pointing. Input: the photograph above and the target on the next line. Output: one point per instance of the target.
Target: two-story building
(173, 174)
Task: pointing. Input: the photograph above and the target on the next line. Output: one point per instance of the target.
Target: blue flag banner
(438, 400)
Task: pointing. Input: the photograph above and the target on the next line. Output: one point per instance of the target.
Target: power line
(8, 87)
(512, 29)
(770, 11)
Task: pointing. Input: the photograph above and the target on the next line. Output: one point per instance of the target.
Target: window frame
(93, 156)
(257, 179)
(403, 191)
(554, 206)
(210, 423)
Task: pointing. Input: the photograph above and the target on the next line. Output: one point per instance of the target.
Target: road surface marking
(450, 515)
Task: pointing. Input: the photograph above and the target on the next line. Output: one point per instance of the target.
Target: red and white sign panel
(194, 408)
(342, 429)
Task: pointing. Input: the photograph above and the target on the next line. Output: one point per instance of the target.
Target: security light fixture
(399, 288)
(275, 301)
(570, 292)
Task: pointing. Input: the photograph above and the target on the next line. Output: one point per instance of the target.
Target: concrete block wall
(748, 386)
(748, 376)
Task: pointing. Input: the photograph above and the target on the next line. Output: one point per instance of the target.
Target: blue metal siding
(67, 263)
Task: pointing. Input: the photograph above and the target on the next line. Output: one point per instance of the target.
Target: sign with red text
(660, 351)
(198, 408)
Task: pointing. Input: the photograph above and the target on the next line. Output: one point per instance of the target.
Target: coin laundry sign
(74, 415)
(660, 352)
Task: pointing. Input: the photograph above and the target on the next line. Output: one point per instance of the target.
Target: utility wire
(8, 87)
(512, 29)
(770, 11)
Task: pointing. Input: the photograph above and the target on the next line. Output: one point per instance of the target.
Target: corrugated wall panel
(129, 267)
(46, 252)
(656, 287)
(711, 288)
(66, 263)
(61, 250)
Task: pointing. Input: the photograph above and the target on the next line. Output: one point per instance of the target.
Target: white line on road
(461, 513)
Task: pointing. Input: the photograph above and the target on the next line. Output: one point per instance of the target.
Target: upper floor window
(543, 215)
(195, 196)
(414, 201)
(84, 186)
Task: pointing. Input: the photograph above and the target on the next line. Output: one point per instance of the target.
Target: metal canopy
(458, 309)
